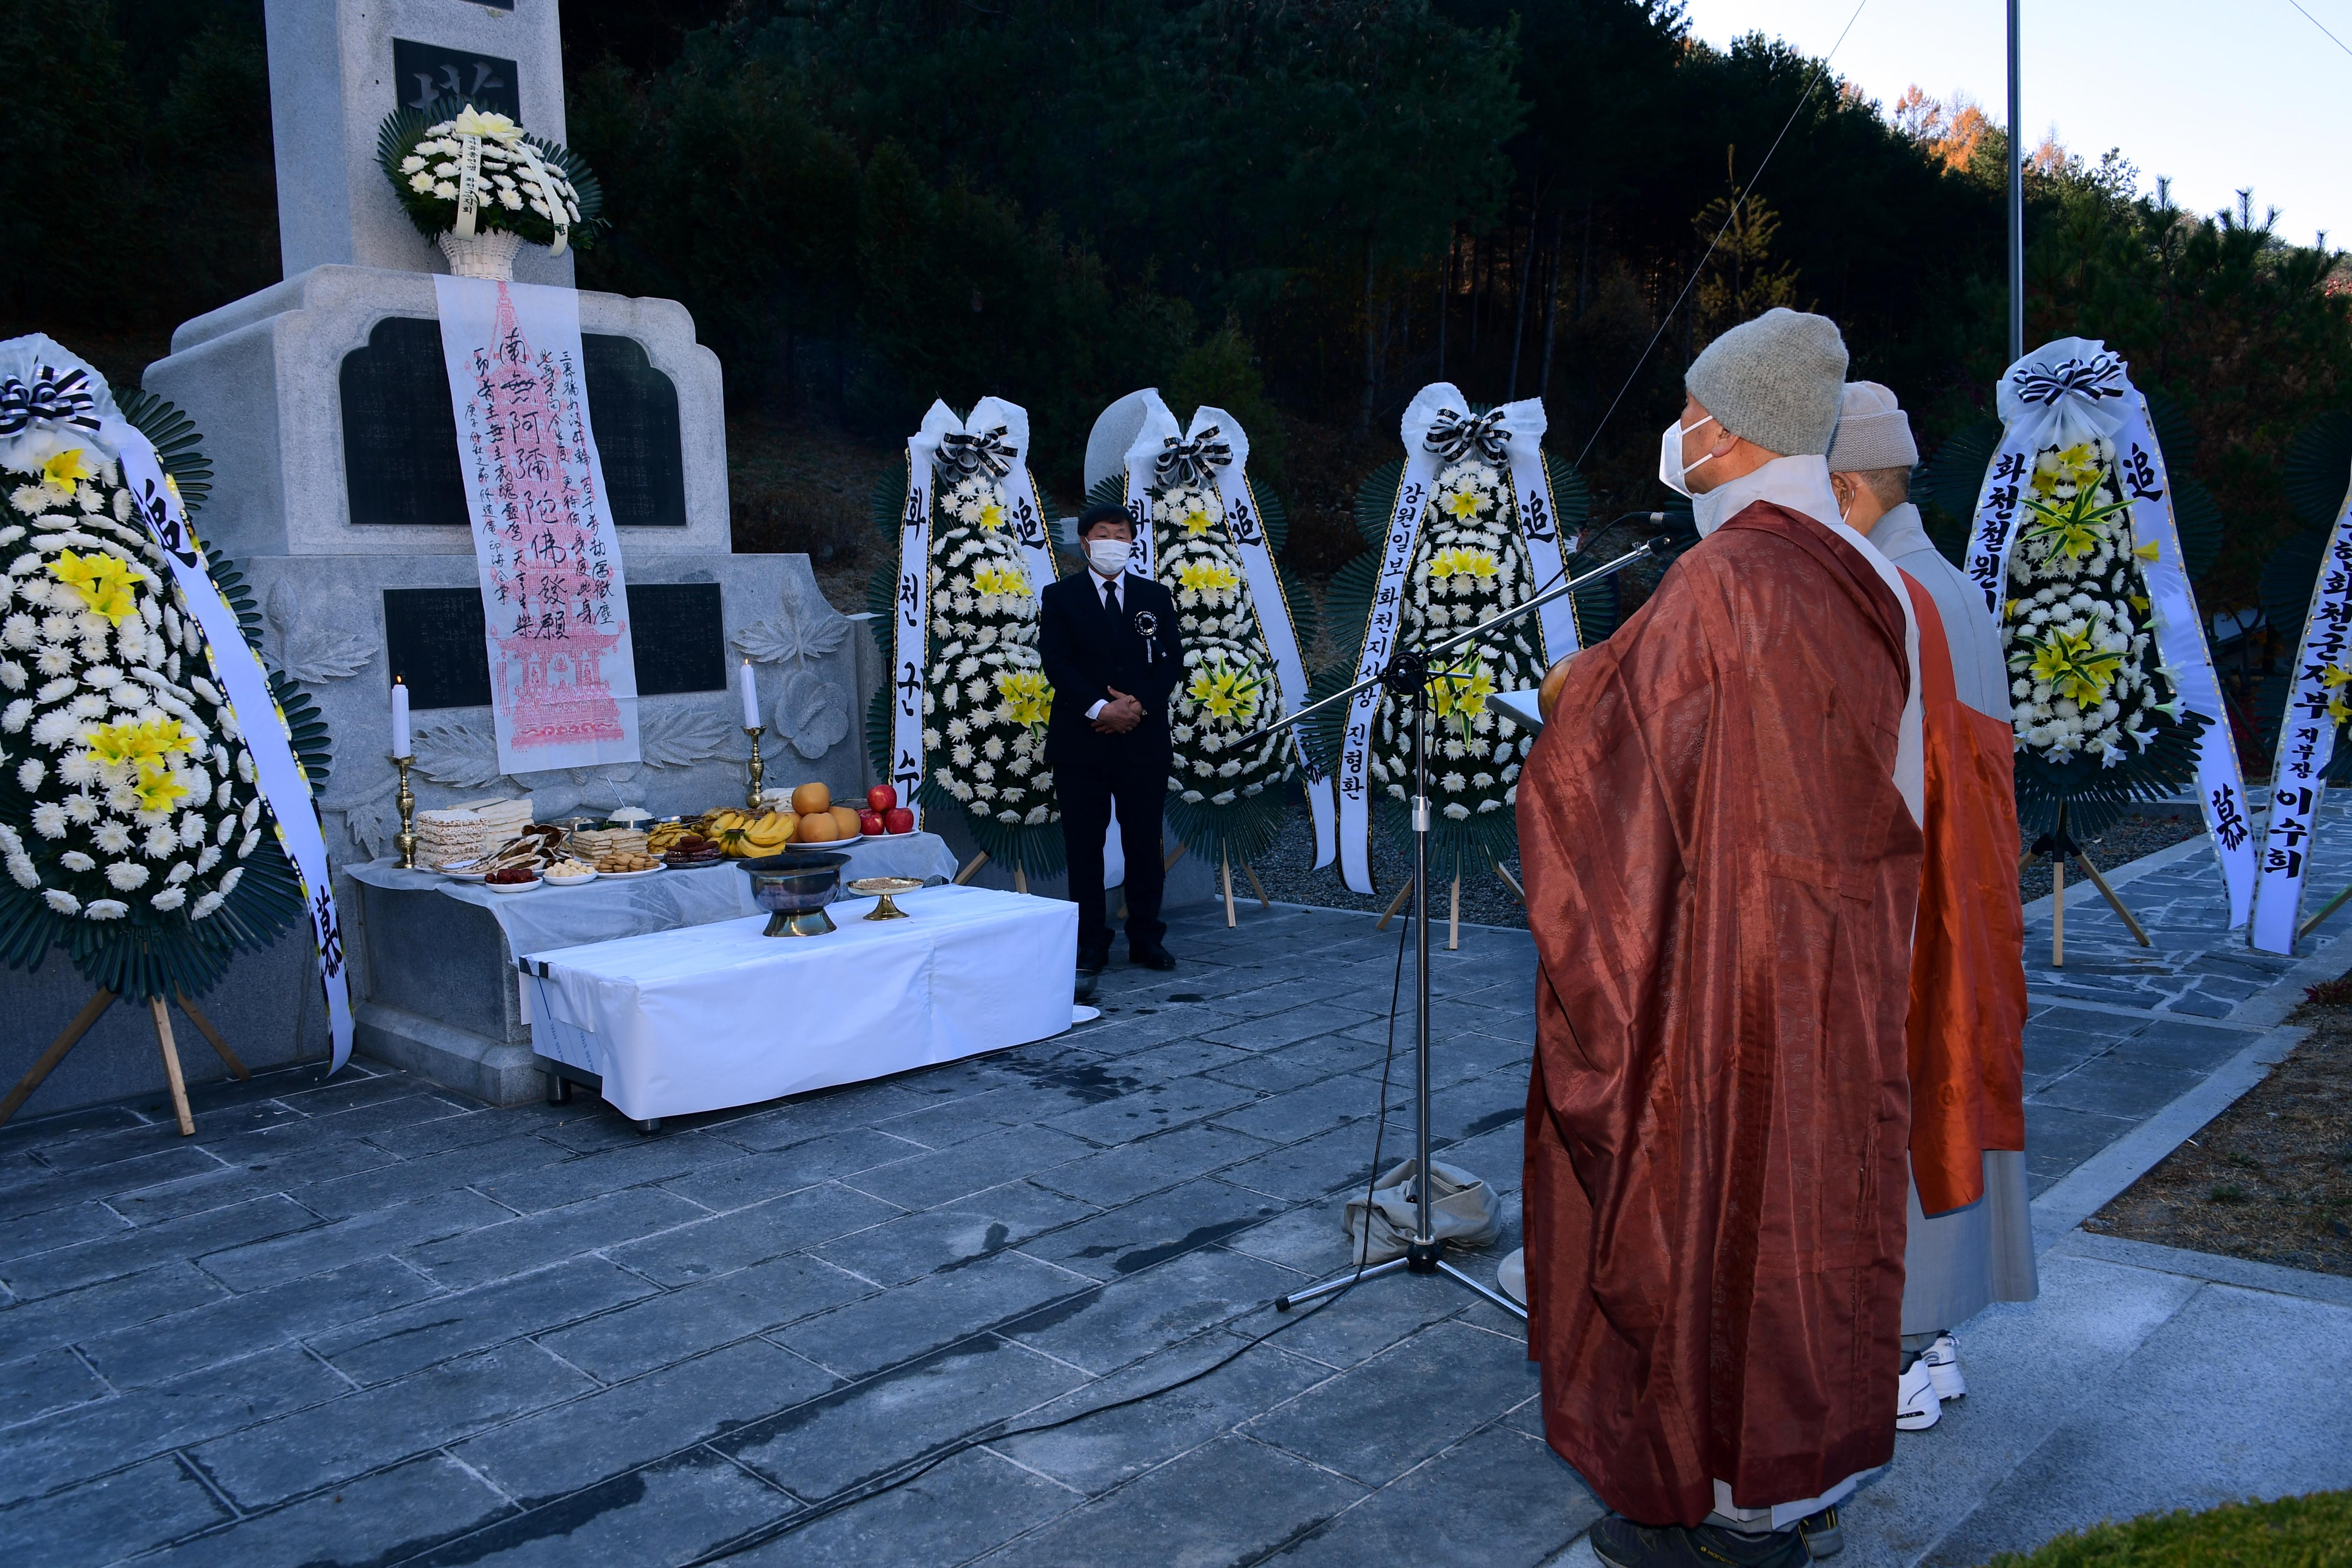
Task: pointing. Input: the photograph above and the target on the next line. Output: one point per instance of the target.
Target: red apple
(898, 819)
(870, 823)
(881, 797)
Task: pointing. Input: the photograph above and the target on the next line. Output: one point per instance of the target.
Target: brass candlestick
(759, 769)
(406, 839)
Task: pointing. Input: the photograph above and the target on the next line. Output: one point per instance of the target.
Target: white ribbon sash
(1530, 481)
(2069, 391)
(1272, 610)
(260, 724)
(2307, 742)
(1159, 427)
(1380, 627)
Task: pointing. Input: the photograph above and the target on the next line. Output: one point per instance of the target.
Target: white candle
(750, 698)
(400, 743)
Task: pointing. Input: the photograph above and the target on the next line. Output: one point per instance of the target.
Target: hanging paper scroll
(2076, 548)
(563, 670)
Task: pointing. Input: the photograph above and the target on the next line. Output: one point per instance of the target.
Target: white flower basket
(490, 254)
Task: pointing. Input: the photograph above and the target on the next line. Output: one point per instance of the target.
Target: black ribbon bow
(969, 452)
(1452, 436)
(52, 399)
(1185, 462)
(2100, 377)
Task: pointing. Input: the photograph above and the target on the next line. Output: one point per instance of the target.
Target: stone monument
(324, 406)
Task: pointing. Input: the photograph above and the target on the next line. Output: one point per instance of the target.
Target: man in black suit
(1113, 653)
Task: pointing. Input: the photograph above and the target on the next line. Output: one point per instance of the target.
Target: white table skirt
(716, 1016)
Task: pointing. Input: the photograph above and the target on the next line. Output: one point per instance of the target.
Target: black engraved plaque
(433, 640)
(400, 439)
(423, 74)
(679, 637)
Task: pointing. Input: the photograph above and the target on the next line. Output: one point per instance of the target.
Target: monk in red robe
(1720, 829)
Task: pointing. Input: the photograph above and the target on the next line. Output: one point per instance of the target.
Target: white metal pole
(2016, 199)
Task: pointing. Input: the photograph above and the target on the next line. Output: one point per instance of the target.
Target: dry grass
(2270, 1179)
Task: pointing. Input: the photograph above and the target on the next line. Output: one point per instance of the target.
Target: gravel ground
(2268, 1179)
(1287, 871)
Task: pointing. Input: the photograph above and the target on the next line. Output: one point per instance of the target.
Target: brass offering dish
(794, 887)
(881, 889)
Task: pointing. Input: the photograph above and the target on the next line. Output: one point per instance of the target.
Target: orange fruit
(816, 827)
(846, 819)
(811, 798)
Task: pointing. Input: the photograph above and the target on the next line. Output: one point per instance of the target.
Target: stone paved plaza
(369, 1322)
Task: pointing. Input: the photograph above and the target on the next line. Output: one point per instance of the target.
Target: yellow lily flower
(1026, 693)
(160, 788)
(1002, 579)
(991, 517)
(1462, 504)
(1206, 576)
(2148, 552)
(65, 469)
(2334, 675)
(2073, 667)
(2337, 713)
(1196, 519)
(103, 581)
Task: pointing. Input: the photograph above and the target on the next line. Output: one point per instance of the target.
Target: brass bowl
(794, 887)
(881, 889)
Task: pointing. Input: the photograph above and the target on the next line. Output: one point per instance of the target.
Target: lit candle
(400, 744)
(750, 698)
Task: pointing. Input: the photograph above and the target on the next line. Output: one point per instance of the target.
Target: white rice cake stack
(502, 820)
(446, 837)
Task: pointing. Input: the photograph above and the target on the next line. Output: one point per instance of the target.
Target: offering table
(709, 1017)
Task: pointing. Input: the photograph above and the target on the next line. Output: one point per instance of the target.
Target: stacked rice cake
(446, 838)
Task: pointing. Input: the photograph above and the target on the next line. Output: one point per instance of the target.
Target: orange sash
(1967, 1026)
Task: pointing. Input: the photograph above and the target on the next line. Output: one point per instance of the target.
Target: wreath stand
(1454, 903)
(2057, 845)
(96, 1009)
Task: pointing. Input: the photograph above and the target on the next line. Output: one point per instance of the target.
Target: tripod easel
(94, 1009)
(2059, 846)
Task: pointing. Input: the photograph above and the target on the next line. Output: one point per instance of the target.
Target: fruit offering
(510, 875)
(870, 823)
(898, 819)
(881, 797)
(747, 835)
(620, 862)
(812, 797)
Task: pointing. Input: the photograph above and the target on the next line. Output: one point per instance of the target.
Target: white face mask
(1108, 557)
(1671, 471)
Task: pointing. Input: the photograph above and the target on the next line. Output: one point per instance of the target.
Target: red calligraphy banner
(563, 680)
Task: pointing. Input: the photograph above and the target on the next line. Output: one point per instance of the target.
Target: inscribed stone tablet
(423, 74)
(433, 640)
(679, 635)
(400, 439)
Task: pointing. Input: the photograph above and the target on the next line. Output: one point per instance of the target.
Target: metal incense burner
(794, 887)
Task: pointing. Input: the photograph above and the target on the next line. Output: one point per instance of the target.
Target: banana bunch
(747, 835)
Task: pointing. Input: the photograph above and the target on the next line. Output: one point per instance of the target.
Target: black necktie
(1110, 598)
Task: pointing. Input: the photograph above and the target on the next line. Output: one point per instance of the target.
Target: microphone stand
(1408, 677)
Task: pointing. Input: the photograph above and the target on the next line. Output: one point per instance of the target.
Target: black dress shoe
(1153, 956)
(1093, 963)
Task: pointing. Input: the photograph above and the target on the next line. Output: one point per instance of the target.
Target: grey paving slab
(705, 1248)
(512, 1245)
(675, 1324)
(1384, 1415)
(387, 1516)
(667, 1514)
(377, 1426)
(1133, 1170)
(1123, 1441)
(458, 1323)
(879, 1331)
(90, 1440)
(1119, 1322)
(109, 1520)
(482, 1165)
(924, 1180)
(1151, 1230)
(1307, 1170)
(2113, 1086)
(57, 1227)
(1231, 1500)
(225, 1329)
(34, 1385)
(966, 1505)
(759, 1177)
(1497, 1499)
(1299, 1023)
(912, 1246)
(1155, 1109)
(251, 1175)
(918, 1407)
(576, 1446)
(31, 1187)
(373, 1234)
(111, 1257)
(135, 1299)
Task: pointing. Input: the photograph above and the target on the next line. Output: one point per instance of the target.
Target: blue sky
(2217, 94)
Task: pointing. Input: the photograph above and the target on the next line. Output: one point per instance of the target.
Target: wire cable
(2322, 27)
(915, 1469)
(1820, 70)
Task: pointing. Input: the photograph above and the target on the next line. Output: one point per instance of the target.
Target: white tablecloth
(717, 1015)
(613, 907)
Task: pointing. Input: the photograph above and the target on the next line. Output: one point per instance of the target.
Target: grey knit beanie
(1774, 381)
(1872, 432)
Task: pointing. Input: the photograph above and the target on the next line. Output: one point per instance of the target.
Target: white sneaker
(1916, 1408)
(1942, 1360)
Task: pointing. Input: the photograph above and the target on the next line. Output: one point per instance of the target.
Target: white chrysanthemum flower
(162, 842)
(208, 859)
(106, 910)
(127, 873)
(171, 898)
(65, 904)
(204, 907)
(245, 845)
(50, 819)
(75, 860)
(31, 774)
